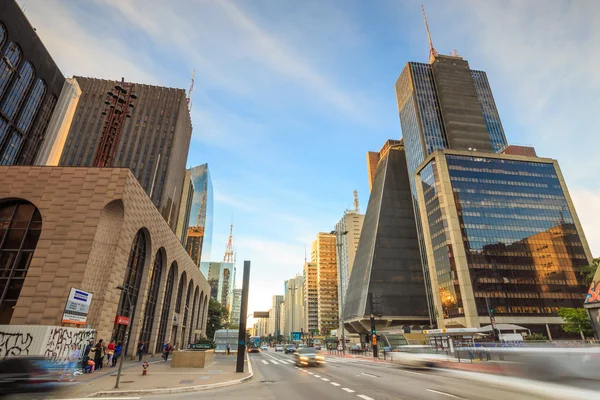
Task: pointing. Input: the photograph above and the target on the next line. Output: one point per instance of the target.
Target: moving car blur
(30, 376)
(308, 356)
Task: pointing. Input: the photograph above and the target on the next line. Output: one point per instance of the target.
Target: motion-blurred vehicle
(356, 347)
(308, 356)
(264, 348)
(417, 356)
(254, 344)
(279, 348)
(30, 375)
(340, 347)
(290, 348)
(317, 347)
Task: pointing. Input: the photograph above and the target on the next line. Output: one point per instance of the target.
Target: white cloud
(587, 204)
(239, 204)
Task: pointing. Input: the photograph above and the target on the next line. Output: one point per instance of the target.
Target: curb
(183, 389)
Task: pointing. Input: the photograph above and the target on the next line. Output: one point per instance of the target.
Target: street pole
(126, 339)
(244, 309)
(373, 327)
(341, 302)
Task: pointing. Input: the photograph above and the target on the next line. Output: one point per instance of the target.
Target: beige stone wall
(86, 241)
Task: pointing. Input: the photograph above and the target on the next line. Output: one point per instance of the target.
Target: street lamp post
(293, 305)
(341, 302)
(126, 339)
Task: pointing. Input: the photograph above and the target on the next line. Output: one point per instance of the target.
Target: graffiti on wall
(15, 344)
(60, 340)
(593, 294)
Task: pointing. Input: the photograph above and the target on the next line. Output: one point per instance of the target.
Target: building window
(132, 282)
(166, 308)
(20, 228)
(12, 149)
(180, 292)
(8, 65)
(31, 106)
(194, 320)
(2, 34)
(15, 97)
(155, 275)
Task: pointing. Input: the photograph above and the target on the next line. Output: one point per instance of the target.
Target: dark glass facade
(29, 78)
(155, 279)
(387, 263)
(490, 112)
(199, 243)
(522, 245)
(166, 308)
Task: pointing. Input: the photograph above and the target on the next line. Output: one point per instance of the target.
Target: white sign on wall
(77, 307)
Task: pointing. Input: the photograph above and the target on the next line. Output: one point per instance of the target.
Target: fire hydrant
(145, 367)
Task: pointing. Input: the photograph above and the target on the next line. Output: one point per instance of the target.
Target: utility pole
(243, 310)
(495, 336)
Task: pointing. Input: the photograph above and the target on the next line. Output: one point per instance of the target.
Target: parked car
(279, 348)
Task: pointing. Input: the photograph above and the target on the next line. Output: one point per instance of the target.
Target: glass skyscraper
(200, 230)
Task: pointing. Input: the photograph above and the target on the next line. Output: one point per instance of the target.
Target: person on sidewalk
(87, 353)
(99, 354)
(228, 349)
(110, 351)
(117, 354)
(71, 363)
(167, 348)
(140, 350)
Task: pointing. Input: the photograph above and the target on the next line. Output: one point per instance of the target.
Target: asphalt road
(276, 377)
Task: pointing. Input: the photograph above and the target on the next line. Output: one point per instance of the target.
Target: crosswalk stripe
(274, 362)
(325, 379)
(348, 390)
(335, 384)
(264, 361)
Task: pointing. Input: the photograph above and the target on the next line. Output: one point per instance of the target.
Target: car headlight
(320, 358)
(304, 358)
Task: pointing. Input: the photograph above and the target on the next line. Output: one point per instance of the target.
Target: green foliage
(588, 271)
(536, 336)
(215, 318)
(576, 320)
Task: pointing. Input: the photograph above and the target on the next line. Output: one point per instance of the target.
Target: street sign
(77, 307)
(121, 320)
(260, 314)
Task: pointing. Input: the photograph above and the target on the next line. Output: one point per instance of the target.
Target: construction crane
(356, 203)
(228, 258)
(194, 246)
(189, 97)
(432, 51)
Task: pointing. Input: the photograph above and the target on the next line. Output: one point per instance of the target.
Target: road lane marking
(444, 393)
(414, 373)
(362, 396)
(371, 375)
(335, 384)
(325, 379)
(312, 373)
(348, 390)
(264, 361)
(274, 362)
(317, 376)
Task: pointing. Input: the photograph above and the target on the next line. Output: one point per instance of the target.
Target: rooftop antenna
(432, 51)
(189, 97)
(356, 203)
(228, 258)
(304, 254)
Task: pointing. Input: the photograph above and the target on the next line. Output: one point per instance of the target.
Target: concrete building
(154, 142)
(324, 255)
(185, 209)
(373, 158)
(59, 125)
(95, 229)
(220, 277)
(294, 305)
(30, 85)
(201, 219)
(236, 307)
(274, 322)
(347, 232)
(388, 263)
(284, 332)
(500, 227)
(311, 298)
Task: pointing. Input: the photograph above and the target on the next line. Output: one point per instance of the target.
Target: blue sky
(290, 95)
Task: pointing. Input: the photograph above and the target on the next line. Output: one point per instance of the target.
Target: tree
(215, 318)
(536, 337)
(576, 321)
(588, 271)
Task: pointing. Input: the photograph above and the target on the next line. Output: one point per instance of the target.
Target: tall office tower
(284, 332)
(199, 241)
(294, 306)
(500, 229)
(30, 85)
(311, 298)
(220, 278)
(387, 265)
(444, 105)
(59, 125)
(274, 323)
(373, 158)
(324, 255)
(185, 210)
(347, 237)
(236, 307)
(154, 142)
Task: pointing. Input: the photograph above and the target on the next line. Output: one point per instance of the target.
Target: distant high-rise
(274, 323)
(199, 234)
(311, 298)
(185, 210)
(293, 303)
(220, 277)
(30, 85)
(324, 255)
(236, 306)
(154, 142)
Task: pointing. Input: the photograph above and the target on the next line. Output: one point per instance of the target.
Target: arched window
(200, 308)
(186, 313)
(11, 151)
(15, 97)
(155, 275)
(204, 309)
(166, 307)
(180, 292)
(2, 34)
(8, 65)
(31, 106)
(132, 282)
(193, 325)
(20, 228)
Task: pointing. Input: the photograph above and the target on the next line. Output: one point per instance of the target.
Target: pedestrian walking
(86, 353)
(167, 348)
(118, 351)
(140, 350)
(71, 363)
(99, 354)
(228, 348)
(110, 352)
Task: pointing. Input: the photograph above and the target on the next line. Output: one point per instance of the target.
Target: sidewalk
(160, 378)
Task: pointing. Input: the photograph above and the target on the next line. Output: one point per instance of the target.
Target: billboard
(77, 307)
(260, 314)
